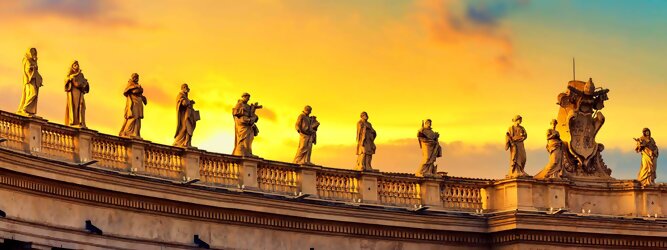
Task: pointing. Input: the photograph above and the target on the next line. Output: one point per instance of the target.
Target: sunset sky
(470, 66)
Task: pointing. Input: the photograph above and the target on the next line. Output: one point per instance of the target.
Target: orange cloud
(473, 26)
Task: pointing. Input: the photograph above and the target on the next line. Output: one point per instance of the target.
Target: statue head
(364, 116)
(185, 88)
(245, 97)
(307, 110)
(517, 119)
(426, 123)
(134, 78)
(646, 132)
(74, 67)
(553, 123)
(32, 54)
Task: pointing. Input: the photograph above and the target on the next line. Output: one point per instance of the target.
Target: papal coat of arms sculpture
(579, 120)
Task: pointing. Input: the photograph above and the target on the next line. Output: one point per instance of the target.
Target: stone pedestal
(136, 156)
(513, 194)
(556, 196)
(487, 197)
(368, 187)
(308, 180)
(248, 173)
(191, 165)
(83, 145)
(649, 204)
(430, 192)
(33, 135)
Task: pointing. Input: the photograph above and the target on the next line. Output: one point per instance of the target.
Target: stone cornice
(570, 222)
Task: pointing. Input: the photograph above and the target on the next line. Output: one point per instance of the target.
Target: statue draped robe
(514, 142)
(365, 145)
(76, 86)
(245, 128)
(32, 80)
(649, 150)
(428, 142)
(554, 167)
(307, 128)
(134, 110)
(187, 120)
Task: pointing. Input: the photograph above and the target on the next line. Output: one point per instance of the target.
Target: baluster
(266, 177)
(318, 185)
(272, 179)
(294, 182)
(282, 180)
(55, 142)
(162, 162)
(206, 166)
(235, 171)
(270, 175)
(170, 163)
(283, 175)
(324, 185)
(173, 164)
(220, 171)
(224, 172)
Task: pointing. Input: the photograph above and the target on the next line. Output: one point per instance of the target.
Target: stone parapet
(36, 136)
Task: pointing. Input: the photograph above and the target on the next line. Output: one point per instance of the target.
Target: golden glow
(400, 65)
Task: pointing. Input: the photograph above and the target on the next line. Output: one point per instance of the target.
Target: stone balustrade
(110, 152)
(163, 161)
(399, 191)
(338, 185)
(11, 128)
(462, 194)
(58, 143)
(96, 150)
(218, 170)
(275, 177)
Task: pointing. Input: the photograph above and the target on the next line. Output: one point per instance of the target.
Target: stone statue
(187, 118)
(245, 128)
(365, 143)
(514, 142)
(76, 85)
(307, 126)
(428, 142)
(134, 108)
(647, 147)
(32, 80)
(554, 168)
(579, 120)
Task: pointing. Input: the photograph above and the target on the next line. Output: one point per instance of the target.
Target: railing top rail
(338, 171)
(399, 177)
(278, 164)
(108, 137)
(214, 155)
(469, 181)
(12, 116)
(156, 146)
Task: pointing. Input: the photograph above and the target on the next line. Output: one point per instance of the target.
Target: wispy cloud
(489, 13)
(475, 24)
(266, 113)
(156, 94)
(99, 12)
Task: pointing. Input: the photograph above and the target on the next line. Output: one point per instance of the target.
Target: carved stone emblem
(582, 132)
(581, 118)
